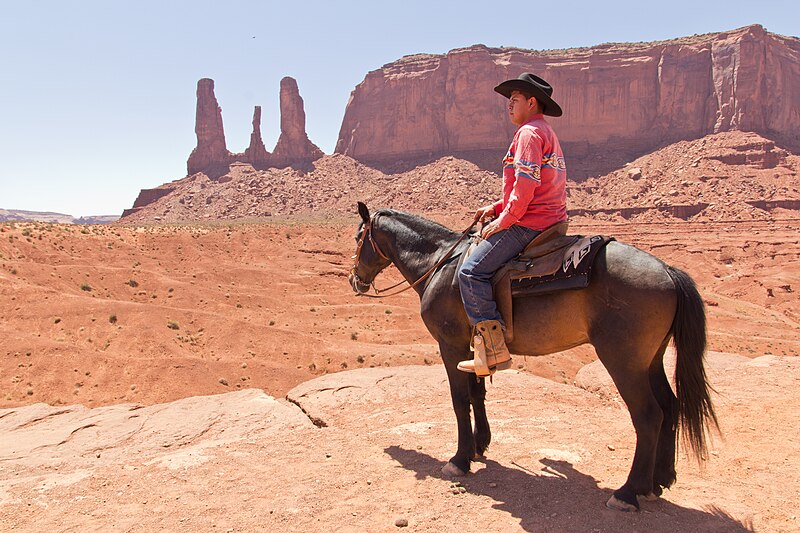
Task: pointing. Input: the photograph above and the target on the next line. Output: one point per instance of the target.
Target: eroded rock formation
(293, 144)
(256, 153)
(210, 151)
(619, 100)
(211, 155)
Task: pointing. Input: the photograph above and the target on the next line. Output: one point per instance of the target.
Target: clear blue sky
(98, 97)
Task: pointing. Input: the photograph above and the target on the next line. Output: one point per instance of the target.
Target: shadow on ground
(557, 497)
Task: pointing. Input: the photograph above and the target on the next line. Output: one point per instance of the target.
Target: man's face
(520, 109)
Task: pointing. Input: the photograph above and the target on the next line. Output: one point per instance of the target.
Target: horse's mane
(419, 224)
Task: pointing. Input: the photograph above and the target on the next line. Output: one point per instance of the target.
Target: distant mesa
(18, 215)
(620, 100)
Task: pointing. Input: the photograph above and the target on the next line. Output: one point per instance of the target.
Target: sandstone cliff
(620, 100)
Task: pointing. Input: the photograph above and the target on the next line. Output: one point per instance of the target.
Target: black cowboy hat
(534, 85)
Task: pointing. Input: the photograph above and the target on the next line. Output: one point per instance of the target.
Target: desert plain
(223, 376)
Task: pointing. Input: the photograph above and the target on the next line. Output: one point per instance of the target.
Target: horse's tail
(695, 411)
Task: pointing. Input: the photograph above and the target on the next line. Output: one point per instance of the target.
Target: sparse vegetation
(86, 287)
(173, 325)
(133, 283)
(112, 319)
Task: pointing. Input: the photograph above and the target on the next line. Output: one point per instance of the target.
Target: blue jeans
(475, 274)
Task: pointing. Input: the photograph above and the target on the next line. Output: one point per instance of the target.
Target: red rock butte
(620, 100)
(211, 155)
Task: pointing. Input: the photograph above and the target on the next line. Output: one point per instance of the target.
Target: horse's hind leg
(634, 387)
(664, 472)
(482, 434)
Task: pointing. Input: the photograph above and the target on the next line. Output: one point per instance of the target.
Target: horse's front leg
(482, 435)
(460, 396)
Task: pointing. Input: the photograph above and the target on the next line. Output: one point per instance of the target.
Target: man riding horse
(534, 198)
(630, 309)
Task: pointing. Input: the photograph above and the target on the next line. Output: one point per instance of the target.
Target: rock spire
(211, 155)
(293, 144)
(211, 151)
(256, 153)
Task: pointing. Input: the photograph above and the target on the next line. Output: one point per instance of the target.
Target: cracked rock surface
(244, 461)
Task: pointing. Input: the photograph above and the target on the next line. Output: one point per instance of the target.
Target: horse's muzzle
(358, 286)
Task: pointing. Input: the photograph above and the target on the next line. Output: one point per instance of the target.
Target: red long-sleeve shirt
(534, 178)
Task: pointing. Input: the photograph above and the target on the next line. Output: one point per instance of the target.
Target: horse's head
(369, 260)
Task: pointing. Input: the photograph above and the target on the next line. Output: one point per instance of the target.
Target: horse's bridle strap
(367, 227)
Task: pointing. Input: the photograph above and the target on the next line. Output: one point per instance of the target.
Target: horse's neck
(416, 246)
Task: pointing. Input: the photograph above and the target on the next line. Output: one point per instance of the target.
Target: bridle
(375, 248)
(368, 225)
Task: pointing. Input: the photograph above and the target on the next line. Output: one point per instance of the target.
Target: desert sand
(145, 374)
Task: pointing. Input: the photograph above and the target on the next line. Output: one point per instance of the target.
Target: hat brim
(551, 108)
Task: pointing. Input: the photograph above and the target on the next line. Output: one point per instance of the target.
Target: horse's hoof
(619, 505)
(451, 470)
(651, 497)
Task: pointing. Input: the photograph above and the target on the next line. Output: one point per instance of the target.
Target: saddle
(553, 261)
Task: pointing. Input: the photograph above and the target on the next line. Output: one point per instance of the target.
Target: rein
(377, 250)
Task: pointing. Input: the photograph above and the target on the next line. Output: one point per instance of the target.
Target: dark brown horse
(633, 306)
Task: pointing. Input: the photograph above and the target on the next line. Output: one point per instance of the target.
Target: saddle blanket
(572, 269)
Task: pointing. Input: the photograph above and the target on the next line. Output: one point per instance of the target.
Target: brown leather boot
(491, 353)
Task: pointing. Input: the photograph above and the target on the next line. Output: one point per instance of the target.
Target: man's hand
(483, 213)
(491, 228)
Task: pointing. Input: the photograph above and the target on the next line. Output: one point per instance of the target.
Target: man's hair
(528, 96)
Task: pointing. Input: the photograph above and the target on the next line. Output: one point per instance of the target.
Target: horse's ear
(363, 211)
